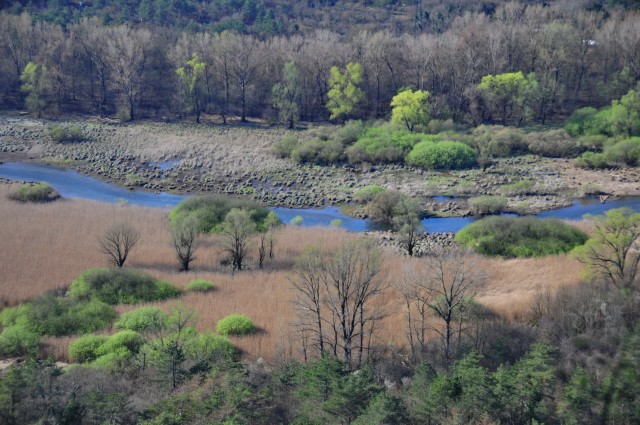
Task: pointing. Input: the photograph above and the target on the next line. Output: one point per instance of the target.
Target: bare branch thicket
(335, 299)
(442, 285)
(117, 243)
(237, 230)
(185, 239)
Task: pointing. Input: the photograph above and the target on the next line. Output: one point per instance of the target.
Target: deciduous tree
(345, 92)
(410, 108)
(117, 242)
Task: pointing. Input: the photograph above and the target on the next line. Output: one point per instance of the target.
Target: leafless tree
(117, 242)
(443, 284)
(237, 230)
(185, 240)
(335, 295)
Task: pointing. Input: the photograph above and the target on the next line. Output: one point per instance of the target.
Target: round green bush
(118, 285)
(210, 348)
(235, 324)
(511, 237)
(200, 285)
(368, 193)
(144, 319)
(441, 156)
(18, 341)
(85, 349)
(39, 193)
(487, 204)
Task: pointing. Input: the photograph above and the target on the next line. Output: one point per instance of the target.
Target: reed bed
(44, 247)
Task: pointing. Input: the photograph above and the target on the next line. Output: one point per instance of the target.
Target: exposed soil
(190, 158)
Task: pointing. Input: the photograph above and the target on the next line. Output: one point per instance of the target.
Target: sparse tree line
(521, 64)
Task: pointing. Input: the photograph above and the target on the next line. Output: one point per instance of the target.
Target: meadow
(45, 246)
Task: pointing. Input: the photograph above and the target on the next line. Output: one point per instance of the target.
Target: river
(71, 184)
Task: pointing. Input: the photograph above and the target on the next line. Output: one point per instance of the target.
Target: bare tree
(117, 242)
(185, 240)
(335, 294)
(237, 229)
(442, 284)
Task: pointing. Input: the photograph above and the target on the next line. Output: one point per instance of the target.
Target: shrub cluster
(200, 285)
(384, 144)
(445, 155)
(209, 211)
(235, 324)
(625, 152)
(60, 134)
(511, 237)
(40, 192)
(488, 204)
(106, 351)
(118, 285)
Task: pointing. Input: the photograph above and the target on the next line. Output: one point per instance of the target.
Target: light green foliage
(200, 285)
(118, 285)
(39, 193)
(206, 348)
(612, 251)
(210, 211)
(345, 93)
(625, 114)
(235, 324)
(625, 152)
(577, 399)
(36, 84)
(410, 108)
(85, 348)
(283, 147)
(17, 340)
(385, 144)
(585, 121)
(441, 156)
(297, 220)
(367, 193)
(317, 151)
(286, 95)
(487, 204)
(60, 134)
(106, 351)
(191, 78)
(508, 95)
(592, 160)
(143, 320)
(336, 223)
(511, 237)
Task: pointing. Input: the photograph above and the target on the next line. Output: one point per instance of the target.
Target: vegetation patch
(488, 204)
(120, 286)
(442, 156)
(512, 237)
(200, 285)
(209, 211)
(385, 144)
(39, 193)
(235, 324)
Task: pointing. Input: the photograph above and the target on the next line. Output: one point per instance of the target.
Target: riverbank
(187, 158)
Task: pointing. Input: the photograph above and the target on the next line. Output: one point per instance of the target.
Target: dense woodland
(87, 64)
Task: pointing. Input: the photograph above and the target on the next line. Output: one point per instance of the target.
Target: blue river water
(71, 184)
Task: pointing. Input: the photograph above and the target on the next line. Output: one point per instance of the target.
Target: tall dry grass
(45, 247)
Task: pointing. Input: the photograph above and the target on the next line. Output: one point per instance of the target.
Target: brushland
(49, 245)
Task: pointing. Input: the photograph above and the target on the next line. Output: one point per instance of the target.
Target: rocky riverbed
(189, 158)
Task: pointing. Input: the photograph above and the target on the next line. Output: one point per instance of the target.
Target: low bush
(297, 220)
(85, 348)
(40, 192)
(522, 187)
(367, 193)
(200, 285)
(499, 141)
(511, 237)
(208, 348)
(60, 134)
(235, 324)
(488, 204)
(382, 209)
(143, 320)
(318, 151)
(385, 144)
(592, 160)
(283, 147)
(442, 156)
(349, 133)
(554, 144)
(16, 341)
(209, 211)
(625, 152)
(589, 122)
(118, 285)
(106, 351)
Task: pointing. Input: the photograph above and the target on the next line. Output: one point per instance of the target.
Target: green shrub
(595, 143)
(209, 348)
(318, 151)
(128, 340)
(577, 123)
(511, 237)
(499, 141)
(60, 134)
(85, 348)
(16, 341)
(209, 211)
(625, 152)
(488, 204)
(349, 133)
(40, 192)
(442, 156)
(119, 285)
(143, 320)
(368, 193)
(593, 160)
(385, 144)
(283, 147)
(200, 285)
(297, 220)
(235, 324)
(554, 144)
(522, 187)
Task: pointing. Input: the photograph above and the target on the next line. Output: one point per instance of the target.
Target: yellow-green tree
(36, 85)
(410, 108)
(192, 83)
(508, 95)
(345, 92)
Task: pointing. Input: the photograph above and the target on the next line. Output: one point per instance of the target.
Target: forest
(216, 311)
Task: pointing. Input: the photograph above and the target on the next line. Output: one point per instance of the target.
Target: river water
(71, 184)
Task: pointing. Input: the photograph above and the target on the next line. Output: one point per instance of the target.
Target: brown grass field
(43, 247)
